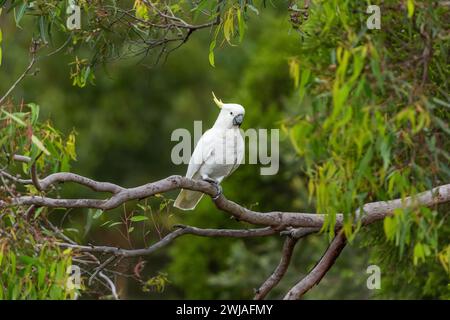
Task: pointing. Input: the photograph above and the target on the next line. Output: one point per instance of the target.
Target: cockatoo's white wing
(187, 199)
(202, 152)
(240, 152)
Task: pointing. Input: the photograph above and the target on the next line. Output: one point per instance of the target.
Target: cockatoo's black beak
(237, 121)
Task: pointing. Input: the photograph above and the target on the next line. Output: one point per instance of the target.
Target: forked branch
(318, 272)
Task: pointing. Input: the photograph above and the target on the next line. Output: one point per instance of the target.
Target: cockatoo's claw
(219, 192)
(216, 185)
(212, 181)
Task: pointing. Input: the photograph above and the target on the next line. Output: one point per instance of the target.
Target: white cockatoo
(217, 154)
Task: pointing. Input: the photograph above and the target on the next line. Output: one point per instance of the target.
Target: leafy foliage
(361, 123)
(32, 266)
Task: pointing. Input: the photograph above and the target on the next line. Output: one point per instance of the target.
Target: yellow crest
(218, 102)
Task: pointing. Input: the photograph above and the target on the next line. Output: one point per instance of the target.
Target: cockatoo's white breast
(225, 156)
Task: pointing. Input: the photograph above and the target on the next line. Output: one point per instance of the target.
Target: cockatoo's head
(231, 114)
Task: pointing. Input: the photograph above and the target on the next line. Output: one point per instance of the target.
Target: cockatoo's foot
(216, 185)
(219, 192)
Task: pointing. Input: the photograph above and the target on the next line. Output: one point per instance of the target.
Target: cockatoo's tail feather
(187, 199)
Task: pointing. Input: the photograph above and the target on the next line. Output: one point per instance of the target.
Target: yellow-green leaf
(39, 144)
(390, 227)
(211, 52)
(419, 253)
(294, 70)
(241, 25)
(15, 118)
(138, 218)
(228, 26)
(410, 6)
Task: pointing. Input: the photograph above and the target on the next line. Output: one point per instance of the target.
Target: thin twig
(100, 268)
(23, 75)
(111, 285)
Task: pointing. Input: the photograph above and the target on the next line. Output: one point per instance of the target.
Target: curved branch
(319, 271)
(62, 177)
(280, 270)
(182, 230)
(111, 285)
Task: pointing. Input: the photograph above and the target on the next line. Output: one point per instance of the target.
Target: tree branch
(182, 230)
(34, 176)
(280, 271)
(371, 212)
(319, 271)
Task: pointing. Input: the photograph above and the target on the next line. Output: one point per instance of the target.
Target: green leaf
(200, 6)
(306, 73)
(72, 230)
(228, 26)
(38, 212)
(86, 73)
(294, 71)
(15, 118)
(29, 260)
(163, 205)
(114, 224)
(34, 112)
(364, 165)
(385, 152)
(241, 25)
(390, 227)
(410, 6)
(97, 214)
(253, 8)
(138, 218)
(441, 102)
(419, 253)
(1, 253)
(19, 13)
(42, 30)
(211, 53)
(105, 223)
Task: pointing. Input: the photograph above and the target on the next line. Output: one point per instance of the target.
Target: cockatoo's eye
(231, 113)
